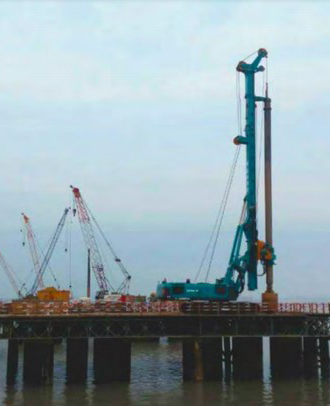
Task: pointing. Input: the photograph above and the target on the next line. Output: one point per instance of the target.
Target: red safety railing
(34, 307)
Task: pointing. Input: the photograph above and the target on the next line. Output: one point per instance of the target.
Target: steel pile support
(247, 358)
(12, 361)
(76, 360)
(212, 359)
(310, 360)
(324, 356)
(227, 357)
(269, 297)
(286, 357)
(38, 361)
(188, 360)
(202, 359)
(112, 360)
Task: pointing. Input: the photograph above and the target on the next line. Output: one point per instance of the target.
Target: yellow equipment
(51, 293)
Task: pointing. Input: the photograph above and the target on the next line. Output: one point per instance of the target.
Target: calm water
(156, 380)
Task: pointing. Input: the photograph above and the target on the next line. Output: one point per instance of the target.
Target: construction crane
(33, 247)
(10, 274)
(241, 266)
(49, 253)
(86, 219)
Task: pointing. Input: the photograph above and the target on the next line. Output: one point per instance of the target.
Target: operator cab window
(177, 289)
(221, 290)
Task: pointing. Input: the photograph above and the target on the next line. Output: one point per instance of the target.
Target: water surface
(157, 380)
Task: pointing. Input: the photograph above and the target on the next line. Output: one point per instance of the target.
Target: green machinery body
(240, 266)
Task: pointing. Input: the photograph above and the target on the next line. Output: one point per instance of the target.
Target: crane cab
(218, 291)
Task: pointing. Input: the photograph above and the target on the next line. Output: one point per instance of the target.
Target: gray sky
(135, 103)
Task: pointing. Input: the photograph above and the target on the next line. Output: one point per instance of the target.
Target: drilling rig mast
(241, 266)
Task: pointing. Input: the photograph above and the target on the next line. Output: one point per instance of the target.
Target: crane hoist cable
(219, 218)
(221, 211)
(249, 56)
(115, 256)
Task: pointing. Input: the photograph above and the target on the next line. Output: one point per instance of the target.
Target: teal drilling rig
(242, 267)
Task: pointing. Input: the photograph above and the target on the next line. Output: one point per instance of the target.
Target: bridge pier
(212, 358)
(76, 360)
(247, 358)
(12, 361)
(38, 361)
(202, 359)
(112, 360)
(310, 353)
(188, 360)
(285, 356)
(227, 358)
(324, 356)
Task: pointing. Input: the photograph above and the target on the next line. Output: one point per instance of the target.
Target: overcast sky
(135, 103)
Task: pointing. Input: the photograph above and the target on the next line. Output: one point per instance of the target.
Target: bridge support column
(202, 359)
(324, 356)
(12, 361)
(188, 359)
(112, 360)
(227, 358)
(212, 359)
(310, 352)
(76, 360)
(285, 356)
(247, 358)
(38, 361)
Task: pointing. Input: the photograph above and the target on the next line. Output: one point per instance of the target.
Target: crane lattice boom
(32, 246)
(10, 274)
(49, 252)
(86, 219)
(91, 243)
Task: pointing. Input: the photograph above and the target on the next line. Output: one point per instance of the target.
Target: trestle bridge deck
(169, 320)
(218, 339)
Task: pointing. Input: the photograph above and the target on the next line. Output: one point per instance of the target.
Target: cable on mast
(220, 215)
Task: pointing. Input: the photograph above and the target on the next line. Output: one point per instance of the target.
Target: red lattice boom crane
(33, 247)
(86, 220)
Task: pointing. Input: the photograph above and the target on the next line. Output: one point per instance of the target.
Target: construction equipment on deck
(85, 216)
(50, 292)
(241, 266)
(10, 274)
(32, 245)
